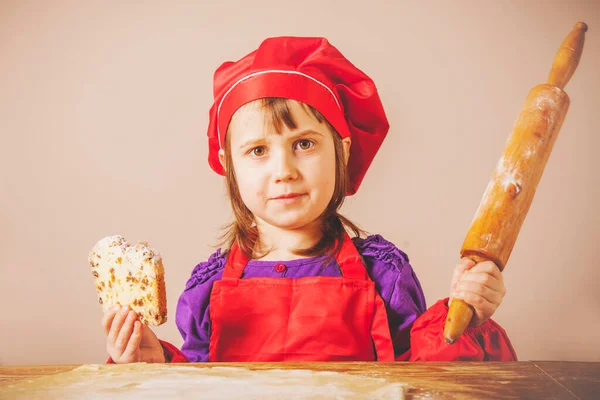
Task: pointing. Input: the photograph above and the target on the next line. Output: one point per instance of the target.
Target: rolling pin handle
(568, 56)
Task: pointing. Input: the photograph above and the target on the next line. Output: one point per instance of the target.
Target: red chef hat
(314, 72)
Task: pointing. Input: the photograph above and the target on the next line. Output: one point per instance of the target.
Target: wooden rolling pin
(510, 191)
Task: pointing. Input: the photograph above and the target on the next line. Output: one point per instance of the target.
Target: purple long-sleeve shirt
(388, 267)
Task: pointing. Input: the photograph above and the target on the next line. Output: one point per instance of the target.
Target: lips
(288, 196)
(289, 199)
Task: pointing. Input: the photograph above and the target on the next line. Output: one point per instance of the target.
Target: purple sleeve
(397, 285)
(192, 315)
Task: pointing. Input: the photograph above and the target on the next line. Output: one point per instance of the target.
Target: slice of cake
(130, 275)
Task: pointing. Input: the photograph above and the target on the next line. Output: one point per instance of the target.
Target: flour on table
(160, 381)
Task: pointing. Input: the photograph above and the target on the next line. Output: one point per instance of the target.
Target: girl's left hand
(479, 285)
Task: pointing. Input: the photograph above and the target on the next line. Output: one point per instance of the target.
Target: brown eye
(304, 144)
(258, 151)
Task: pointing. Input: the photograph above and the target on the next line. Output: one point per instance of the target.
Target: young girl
(294, 128)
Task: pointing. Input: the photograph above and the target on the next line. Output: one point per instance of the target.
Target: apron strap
(350, 261)
(348, 258)
(236, 262)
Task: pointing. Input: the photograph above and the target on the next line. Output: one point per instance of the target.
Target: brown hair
(243, 231)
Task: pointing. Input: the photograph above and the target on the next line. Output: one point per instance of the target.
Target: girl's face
(286, 180)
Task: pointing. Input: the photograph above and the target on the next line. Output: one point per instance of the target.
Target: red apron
(307, 319)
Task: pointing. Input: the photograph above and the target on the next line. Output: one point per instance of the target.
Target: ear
(222, 159)
(346, 142)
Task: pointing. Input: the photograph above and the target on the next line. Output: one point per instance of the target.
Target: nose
(284, 168)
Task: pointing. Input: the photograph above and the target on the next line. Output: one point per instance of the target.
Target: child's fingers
(490, 268)
(486, 279)
(483, 308)
(108, 318)
(463, 265)
(134, 342)
(116, 325)
(491, 295)
(125, 333)
(480, 277)
(481, 305)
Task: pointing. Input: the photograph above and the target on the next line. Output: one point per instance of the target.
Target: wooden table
(466, 380)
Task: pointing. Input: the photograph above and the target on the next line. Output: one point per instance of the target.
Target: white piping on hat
(282, 71)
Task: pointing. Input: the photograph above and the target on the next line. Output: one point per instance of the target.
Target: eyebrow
(306, 132)
(252, 142)
(255, 141)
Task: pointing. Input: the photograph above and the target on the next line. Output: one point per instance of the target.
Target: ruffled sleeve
(192, 316)
(398, 286)
(487, 342)
(417, 332)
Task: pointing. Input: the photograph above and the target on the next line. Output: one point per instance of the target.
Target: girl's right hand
(128, 340)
